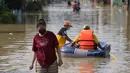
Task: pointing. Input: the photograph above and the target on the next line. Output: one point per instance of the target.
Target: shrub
(7, 18)
(34, 6)
(118, 3)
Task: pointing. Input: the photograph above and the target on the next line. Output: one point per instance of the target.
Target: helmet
(67, 23)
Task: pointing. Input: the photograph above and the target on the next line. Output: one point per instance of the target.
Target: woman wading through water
(45, 47)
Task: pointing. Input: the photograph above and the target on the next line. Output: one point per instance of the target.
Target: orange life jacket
(86, 40)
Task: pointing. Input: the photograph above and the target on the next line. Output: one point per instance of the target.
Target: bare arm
(58, 53)
(67, 38)
(34, 58)
(75, 40)
(59, 56)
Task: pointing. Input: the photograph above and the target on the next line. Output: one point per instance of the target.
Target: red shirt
(44, 46)
(74, 5)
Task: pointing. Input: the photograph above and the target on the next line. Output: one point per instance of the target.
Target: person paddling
(87, 40)
(62, 34)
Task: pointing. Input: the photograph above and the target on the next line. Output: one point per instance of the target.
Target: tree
(14, 4)
(34, 6)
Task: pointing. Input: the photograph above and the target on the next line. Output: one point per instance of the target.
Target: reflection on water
(82, 65)
(109, 25)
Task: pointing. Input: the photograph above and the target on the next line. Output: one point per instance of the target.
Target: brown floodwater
(109, 24)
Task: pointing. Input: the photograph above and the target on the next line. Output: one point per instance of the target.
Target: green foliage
(34, 6)
(118, 3)
(7, 17)
(4, 10)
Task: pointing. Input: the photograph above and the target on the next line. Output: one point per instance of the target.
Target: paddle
(109, 48)
(113, 57)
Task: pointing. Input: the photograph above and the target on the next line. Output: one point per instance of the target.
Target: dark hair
(41, 22)
(86, 28)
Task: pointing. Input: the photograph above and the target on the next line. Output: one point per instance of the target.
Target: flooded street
(109, 24)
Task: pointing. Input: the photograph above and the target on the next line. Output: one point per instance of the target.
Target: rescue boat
(71, 51)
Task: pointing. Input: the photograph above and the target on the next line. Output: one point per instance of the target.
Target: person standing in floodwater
(69, 3)
(45, 47)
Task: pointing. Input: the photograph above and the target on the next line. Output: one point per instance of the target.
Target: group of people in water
(75, 5)
(46, 45)
(81, 41)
